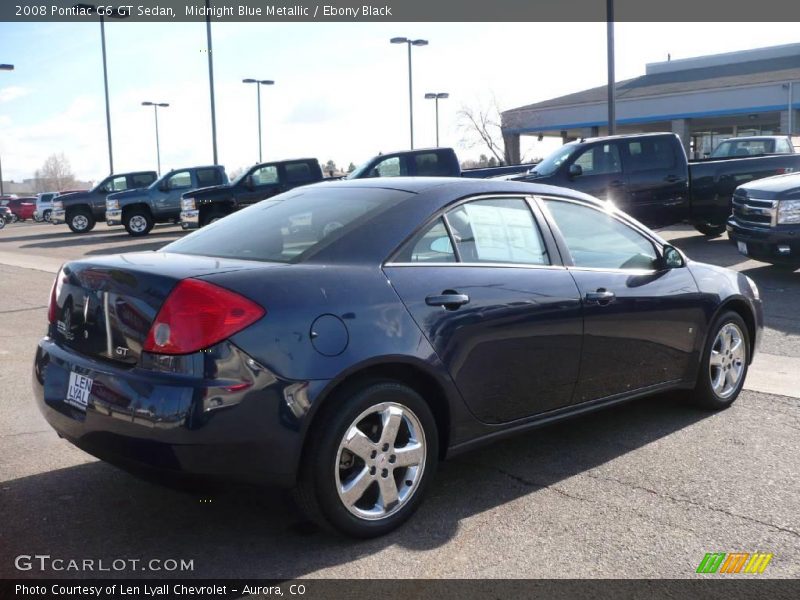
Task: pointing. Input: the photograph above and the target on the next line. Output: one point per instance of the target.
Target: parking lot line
(31, 261)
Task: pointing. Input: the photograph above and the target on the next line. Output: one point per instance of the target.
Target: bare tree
(480, 127)
(56, 174)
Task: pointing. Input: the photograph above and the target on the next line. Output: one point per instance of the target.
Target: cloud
(315, 110)
(12, 92)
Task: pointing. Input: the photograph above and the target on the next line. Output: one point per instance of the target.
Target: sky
(340, 93)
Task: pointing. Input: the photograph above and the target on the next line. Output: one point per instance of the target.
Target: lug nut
(373, 454)
(385, 473)
(392, 458)
(372, 470)
(385, 447)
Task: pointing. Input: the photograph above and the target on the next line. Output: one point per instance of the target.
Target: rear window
(289, 228)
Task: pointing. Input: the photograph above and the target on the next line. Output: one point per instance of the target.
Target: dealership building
(703, 100)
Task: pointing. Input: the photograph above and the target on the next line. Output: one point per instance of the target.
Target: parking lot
(642, 490)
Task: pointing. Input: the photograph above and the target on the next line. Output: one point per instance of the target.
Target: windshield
(551, 163)
(289, 228)
(744, 148)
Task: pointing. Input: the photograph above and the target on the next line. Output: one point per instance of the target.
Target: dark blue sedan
(342, 338)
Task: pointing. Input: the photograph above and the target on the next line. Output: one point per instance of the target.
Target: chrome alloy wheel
(138, 223)
(726, 363)
(80, 222)
(380, 461)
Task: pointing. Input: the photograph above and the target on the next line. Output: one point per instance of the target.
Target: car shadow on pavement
(126, 242)
(95, 510)
(717, 251)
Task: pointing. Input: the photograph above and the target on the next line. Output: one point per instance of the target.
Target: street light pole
(155, 106)
(259, 83)
(211, 84)
(115, 13)
(4, 67)
(436, 96)
(409, 42)
(612, 100)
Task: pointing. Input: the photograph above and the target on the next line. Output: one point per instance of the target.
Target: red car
(21, 208)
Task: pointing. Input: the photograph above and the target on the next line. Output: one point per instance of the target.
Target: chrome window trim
(472, 264)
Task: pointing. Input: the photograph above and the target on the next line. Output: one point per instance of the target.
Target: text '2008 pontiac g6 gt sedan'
(342, 338)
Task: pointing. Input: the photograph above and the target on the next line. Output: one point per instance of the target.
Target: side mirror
(672, 258)
(249, 183)
(575, 170)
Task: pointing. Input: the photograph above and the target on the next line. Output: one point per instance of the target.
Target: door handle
(672, 178)
(602, 296)
(616, 183)
(449, 299)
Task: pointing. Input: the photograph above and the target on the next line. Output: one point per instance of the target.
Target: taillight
(197, 315)
(52, 309)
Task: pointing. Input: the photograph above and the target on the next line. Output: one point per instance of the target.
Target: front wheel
(2, 222)
(46, 216)
(366, 471)
(81, 220)
(709, 229)
(14, 218)
(724, 366)
(138, 222)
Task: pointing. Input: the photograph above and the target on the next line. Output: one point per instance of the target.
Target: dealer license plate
(78, 391)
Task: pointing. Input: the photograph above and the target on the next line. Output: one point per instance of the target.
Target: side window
(298, 173)
(428, 165)
(500, 230)
(652, 154)
(141, 180)
(208, 177)
(265, 175)
(389, 167)
(118, 184)
(432, 244)
(598, 240)
(180, 180)
(600, 160)
(782, 146)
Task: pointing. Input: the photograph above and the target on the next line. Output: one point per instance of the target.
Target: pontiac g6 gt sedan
(342, 338)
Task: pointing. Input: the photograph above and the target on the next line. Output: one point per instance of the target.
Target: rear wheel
(46, 216)
(366, 471)
(138, 222)
(80, 220)
(709, 229)
(2, 222)
(14, 218)
(724, 365)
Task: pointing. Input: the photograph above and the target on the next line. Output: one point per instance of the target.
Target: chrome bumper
(114, 217)
(190, 219)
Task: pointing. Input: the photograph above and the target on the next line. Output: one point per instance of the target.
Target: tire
(46, 216)
(80, 220)
(723, 368)
(710, 230)
(14, 218)
(2, 222)
(212, 215)
(138, 222)
(328, 466)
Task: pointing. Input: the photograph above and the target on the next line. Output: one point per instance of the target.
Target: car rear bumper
(114, 217)
(772, 245)
(139, 419)
(190, 219)
(58, 216)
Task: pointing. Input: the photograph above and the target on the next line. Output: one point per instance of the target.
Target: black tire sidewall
(705, 395)
(323, 457)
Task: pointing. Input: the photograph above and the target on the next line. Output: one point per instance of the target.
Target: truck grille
(757, 212)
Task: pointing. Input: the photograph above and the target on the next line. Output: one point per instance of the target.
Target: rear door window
(650, 155)
(206, 177)
(429, 164)
(140, 180)
(299, 172)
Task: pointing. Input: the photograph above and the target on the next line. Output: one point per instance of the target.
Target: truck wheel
(710, 230)
(80, 220)
(365, 472)
(138, 222)
(724, 365)
(2, 222)
(212, 215)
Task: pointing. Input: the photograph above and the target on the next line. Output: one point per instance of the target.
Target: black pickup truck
(82, 210)
(648, 176)
(427, 162)
(765, 223)
(202, 206)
